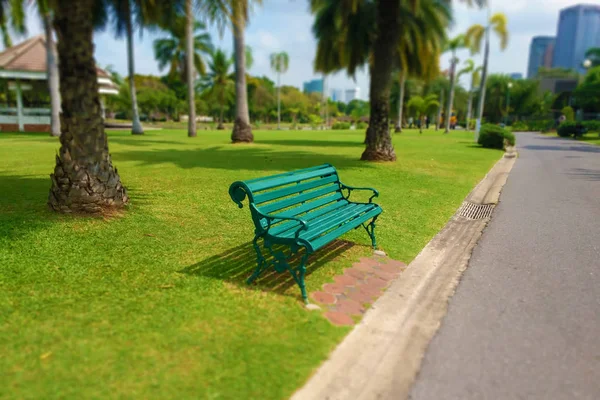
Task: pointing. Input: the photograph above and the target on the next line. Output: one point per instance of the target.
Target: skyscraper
(314, 86)
(352, 94)
(337, 95)
(540, 54)
(578, 31)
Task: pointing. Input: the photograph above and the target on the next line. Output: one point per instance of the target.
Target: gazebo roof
(27, 60)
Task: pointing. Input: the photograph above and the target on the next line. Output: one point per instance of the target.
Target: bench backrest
(291, 194)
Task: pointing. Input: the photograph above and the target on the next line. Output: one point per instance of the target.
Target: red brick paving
(345, 280)
(361, 284)
(339, 318)
(323, 298)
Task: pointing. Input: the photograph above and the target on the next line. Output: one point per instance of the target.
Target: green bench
(306, 208)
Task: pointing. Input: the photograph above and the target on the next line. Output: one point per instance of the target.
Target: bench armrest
(270, 218)
(351, 188)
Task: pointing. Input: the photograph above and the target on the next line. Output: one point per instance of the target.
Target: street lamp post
(509, 86)
(587, 63)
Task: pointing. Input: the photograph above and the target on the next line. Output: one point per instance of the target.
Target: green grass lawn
(153, 304)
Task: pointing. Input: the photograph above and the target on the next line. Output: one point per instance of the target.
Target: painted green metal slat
(286, 180)
(265, 178)
(272, 207)
(281, 229)
(326, 224)
(311, 205)
(325, 239)
(286, 191)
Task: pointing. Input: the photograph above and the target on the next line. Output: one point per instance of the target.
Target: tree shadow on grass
(239, 157)
(23, 206)
(313, 143)
(140, 141)
(237, 264)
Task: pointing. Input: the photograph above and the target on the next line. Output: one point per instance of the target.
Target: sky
(285, 25)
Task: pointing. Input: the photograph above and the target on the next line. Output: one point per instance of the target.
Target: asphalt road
(525, 320)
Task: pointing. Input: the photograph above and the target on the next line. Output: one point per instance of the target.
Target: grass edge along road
(152, 303)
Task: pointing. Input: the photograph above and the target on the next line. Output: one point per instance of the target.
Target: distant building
(516, 76)
(578, 31)
(314, 86)
(541, 51)
(337, 95)
(352, 94)
(558, 85)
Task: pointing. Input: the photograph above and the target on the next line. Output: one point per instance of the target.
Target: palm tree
(474, 73)
(360, 32)
(51, 67)
(242, 131)
(84, 179)
(172, 52)
(422, 107)
(219, 81)
(279, 63)
(123, 14)
(12, 15)
(474, 38)
(402, 83)
(453, 45)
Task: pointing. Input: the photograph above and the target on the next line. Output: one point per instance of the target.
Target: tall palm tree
(172, 51)
(240, 11)
(453, 45)
(189, 66)
(279, 63)
(123, 18)
(474, 73)
(360, 32)
(219, 81)
(84, 179)
(402, 83)
(12, 15)
(51, 67)
(474, 37)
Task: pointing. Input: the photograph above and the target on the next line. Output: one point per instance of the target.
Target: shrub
(568, 113)
(493, 137)
(362, 125)
(341, 125)
(567, 129)
(591, 126)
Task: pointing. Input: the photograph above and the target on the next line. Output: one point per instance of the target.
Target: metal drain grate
(475, 211)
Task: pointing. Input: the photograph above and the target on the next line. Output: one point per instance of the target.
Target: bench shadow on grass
(240, 157)
(237, 264)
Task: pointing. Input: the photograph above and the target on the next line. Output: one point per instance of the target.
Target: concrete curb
(381, 357)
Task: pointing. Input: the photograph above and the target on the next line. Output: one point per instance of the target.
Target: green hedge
(493, 137)
(591, 126)
(567, 129)
(340, 125)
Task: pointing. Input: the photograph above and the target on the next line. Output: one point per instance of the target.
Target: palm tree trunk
(136, 126)
(189, 66)
(221, 106)
(242, 131)
(486, 56)
(278, 100)
(84, 179)
(469, 108)
(438, 123)
(451, 95)
(401, 102)
(52, 72)
(378, 140)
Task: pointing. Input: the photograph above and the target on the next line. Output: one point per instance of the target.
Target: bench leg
(260, 261)
(370, 228)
